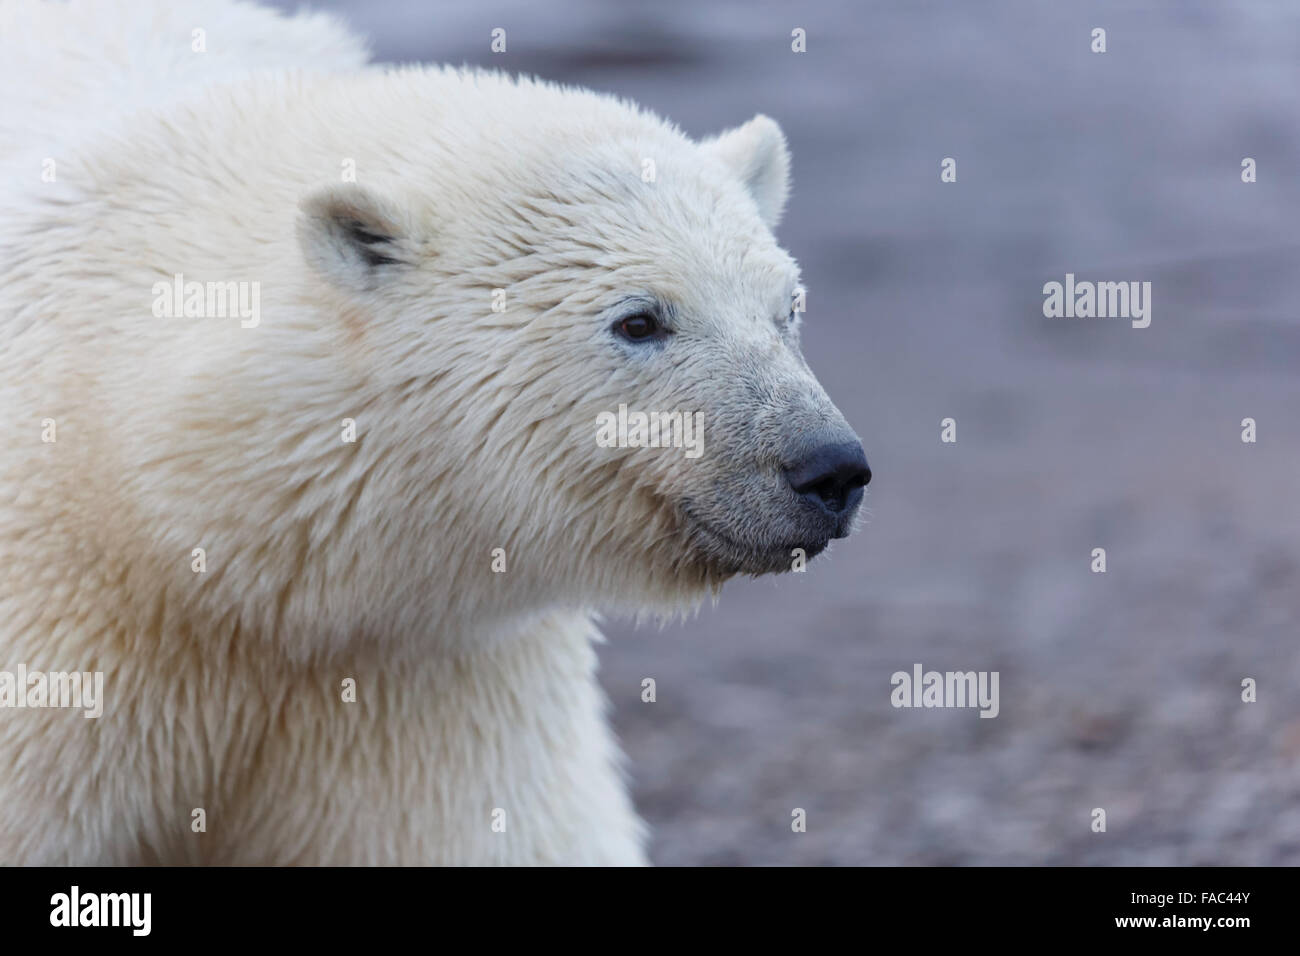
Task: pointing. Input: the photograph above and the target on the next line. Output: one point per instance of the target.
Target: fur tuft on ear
(756, 152)
(348, 234)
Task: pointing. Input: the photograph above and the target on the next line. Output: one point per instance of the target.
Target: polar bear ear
(350, 235)
(757, 154)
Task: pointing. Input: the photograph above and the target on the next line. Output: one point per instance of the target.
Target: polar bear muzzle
(829, 481)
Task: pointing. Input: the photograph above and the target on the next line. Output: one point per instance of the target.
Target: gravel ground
(1118, 690)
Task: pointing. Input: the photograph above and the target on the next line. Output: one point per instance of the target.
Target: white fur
(329, 560)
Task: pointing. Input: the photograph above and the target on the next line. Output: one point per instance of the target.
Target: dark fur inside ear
(349, 234)
(365, 238)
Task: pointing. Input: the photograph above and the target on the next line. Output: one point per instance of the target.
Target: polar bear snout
(829, 479)
(791, 511)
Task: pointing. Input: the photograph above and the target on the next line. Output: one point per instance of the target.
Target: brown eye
(639, 327)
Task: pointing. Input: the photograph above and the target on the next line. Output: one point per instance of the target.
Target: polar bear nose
(831, 477)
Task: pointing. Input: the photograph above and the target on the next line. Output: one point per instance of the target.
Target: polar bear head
(583, 341)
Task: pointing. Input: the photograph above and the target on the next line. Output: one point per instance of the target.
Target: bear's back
(98, 61)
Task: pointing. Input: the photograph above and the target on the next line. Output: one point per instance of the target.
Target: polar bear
(334, 528)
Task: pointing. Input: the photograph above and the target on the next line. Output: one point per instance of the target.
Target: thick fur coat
(438, 256)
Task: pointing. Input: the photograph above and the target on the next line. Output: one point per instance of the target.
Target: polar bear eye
(639, 327)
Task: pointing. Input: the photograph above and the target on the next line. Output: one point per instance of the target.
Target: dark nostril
(831, 476)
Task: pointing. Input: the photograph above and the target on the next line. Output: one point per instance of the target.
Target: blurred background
(1119, 690)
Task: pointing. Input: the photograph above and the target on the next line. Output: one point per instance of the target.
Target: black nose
(832, 476)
